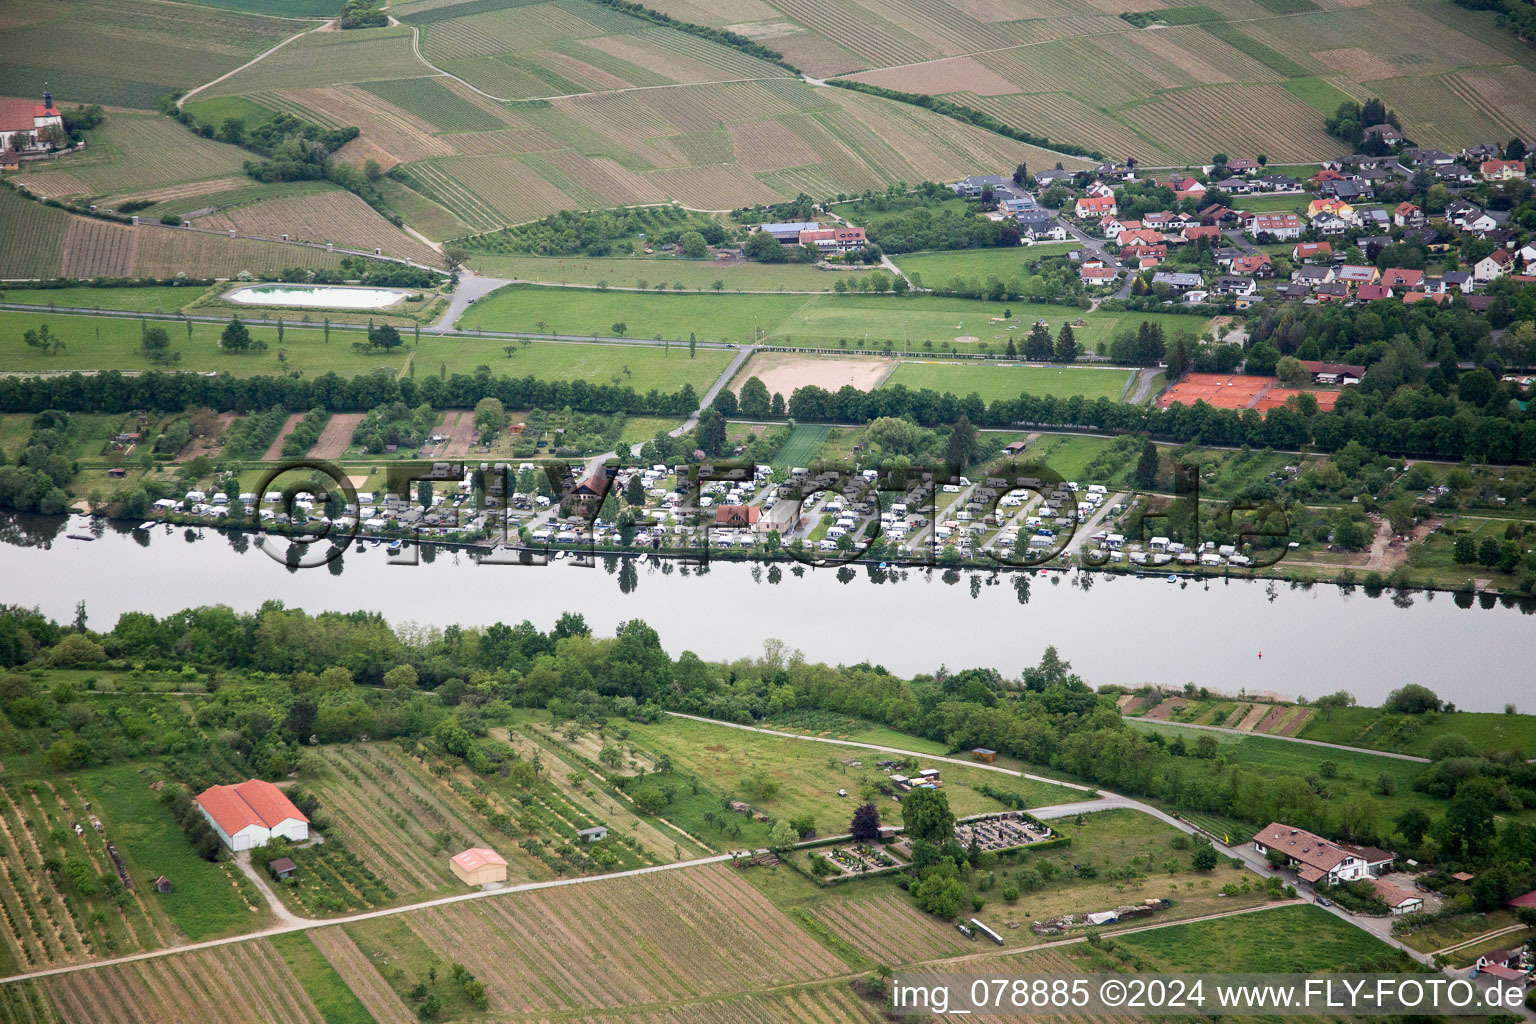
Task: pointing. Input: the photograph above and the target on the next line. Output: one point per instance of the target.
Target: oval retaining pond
(317, 296)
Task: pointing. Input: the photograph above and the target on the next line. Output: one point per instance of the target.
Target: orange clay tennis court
(1239, 391)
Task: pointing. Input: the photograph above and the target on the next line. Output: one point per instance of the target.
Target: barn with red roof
(251, 813)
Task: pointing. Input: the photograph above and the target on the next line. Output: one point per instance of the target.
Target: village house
(1312, 276)
(1239, 286)
(1037, 224)
(1383, 133)
(1398, 278)
(1095, 206)
(1333, 291)
(24, 122)
(1398, 899)
(742, 517)
(976, 184)
(251, 813)
(1408, 216)
(1099, 275)
(1282, 227)
(1372, 293)
(1177, 281)
(1359, 274)
(1495, 265)
(1307, 252)
(1501, 170)
(1316, 859)
(837, 239)
(1256, 265)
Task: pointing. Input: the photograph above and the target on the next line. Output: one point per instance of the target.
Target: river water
(1229, 635)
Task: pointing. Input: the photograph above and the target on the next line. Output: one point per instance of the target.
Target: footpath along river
(1473, 650)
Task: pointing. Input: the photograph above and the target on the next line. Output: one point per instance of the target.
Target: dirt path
(336, 438)
(205, 445)
(275, 449)
(462, 436)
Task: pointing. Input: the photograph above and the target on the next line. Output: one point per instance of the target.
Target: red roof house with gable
(251, 813)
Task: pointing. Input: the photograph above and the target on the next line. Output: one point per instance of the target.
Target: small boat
(395, 547)
(79, 536)
(1172, 578)
(559, 555)
(145, 526)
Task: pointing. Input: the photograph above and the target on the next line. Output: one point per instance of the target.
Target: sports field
(1008, 382)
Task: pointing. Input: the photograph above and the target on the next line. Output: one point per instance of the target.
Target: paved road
(1142, 390)
(1096, 246)
(1236, 238)
(1297, 739)
(471, 287)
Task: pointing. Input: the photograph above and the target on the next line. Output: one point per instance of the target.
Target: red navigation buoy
(1261, 655)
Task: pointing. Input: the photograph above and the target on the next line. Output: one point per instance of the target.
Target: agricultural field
(244, 983)
(337, 217)
(54, 242)
(322, 59)
(993, 383)
(157, 299)
(132, 154)
(1251, 76)
(127, 53)
(707, 932)
(1379, 729)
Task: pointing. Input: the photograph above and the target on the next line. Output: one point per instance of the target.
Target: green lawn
(326, 989)
(204, 905)
(628, 272)
(99, 343)
(1293, 939)
(1317, 93)
(1008, 382)
(158, 299)
(937, 268)
(1413, 734)
(1273, 204)
(822, 321)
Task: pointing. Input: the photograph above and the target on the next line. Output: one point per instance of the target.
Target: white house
(1316, 859)
(1496, 264)
(250, 813)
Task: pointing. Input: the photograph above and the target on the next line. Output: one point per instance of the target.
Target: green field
(1282, 940)
(130, 153)
(628, 272)
(1008, 382)
(1413, 734)
(158, 299)
(205, 904)
(807, 321)
(335, 1001)
(810, 774)
(800, 447)
(100, 343)
(937, 269)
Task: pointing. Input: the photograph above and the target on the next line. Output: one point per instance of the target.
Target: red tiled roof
(737, 515)
(477, 857)
(252, 802)
(1528, 900)
(1391, 895)
(1502, 973)
(1312, 851)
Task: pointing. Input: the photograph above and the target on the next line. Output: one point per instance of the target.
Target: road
(1297, 739)
(1096, 246)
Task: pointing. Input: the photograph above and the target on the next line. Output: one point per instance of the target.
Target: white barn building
(250, 813)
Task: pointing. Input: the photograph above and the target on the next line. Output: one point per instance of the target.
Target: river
(1231, 635)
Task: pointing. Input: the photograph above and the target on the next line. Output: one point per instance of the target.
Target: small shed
(983, 754)
(282, 868)
(478, 866)
(593, 834)
(163, 885)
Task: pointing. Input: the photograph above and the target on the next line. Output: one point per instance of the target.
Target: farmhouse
(251, 813)
(478, 866)
(838, 239)
(23, 122)
(1315, 859)
(788, 232)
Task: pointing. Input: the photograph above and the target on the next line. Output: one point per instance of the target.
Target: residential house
(1280, 227)
(1239, 286)
(1237, 186)
(976, 184)
(1095, 206)
(1225, 254)
(1487, 222)
(841, 238)
(1408, 216)
(1140, 236)
(1357, 275)
(1527, 255)
(1292, 290)
(1195, 232)
(1460, 174)
(1256, 265)
(1053, 176)
(1480, 152)
(1279, 183)
(1495, 265)
(1457, 281)
(1038, 224)
(1347, 189)
(22, 123)
(10, 160)
(1307, 252)
(1460, 211)
(1098, 275)
(1333, 291)
(1372, 292)
(1399, 278)
(745, 517)
(1113, 227)
(1383, 133)
(1316, 859)
(1423, 157)
(1177, 281)
(1501, 170)
(1312, 276)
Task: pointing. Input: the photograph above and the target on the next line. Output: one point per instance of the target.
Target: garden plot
(336, 438)
(888, 929)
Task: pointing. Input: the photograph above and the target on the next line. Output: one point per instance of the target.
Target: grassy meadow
(1008, 382)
